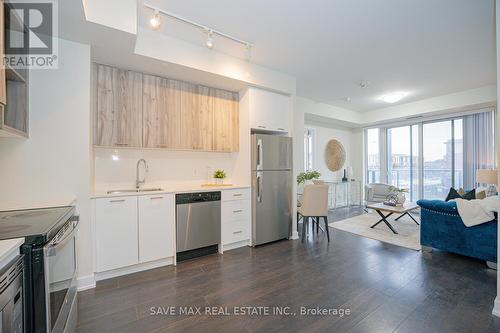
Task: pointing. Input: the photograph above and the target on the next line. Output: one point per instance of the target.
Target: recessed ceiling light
(155, 20)
(393, 97)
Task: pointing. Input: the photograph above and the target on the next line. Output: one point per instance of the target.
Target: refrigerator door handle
(259, 188)
(259, 154)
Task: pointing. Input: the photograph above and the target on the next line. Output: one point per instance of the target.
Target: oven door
(60, 276)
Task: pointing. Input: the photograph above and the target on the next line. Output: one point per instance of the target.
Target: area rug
(408, 231)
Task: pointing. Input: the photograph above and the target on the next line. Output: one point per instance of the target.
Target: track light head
(210, 41)
(155, 20)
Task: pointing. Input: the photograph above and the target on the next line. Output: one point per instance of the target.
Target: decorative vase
(344, 179)
(401, 198)
(219, 181)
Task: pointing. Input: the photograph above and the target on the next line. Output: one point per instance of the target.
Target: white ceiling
(424, 47)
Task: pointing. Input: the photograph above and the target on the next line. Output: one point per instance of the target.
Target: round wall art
(334, 155)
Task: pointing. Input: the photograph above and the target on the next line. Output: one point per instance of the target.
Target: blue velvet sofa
(442, 228)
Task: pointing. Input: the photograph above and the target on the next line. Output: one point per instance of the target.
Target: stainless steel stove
(49, 265)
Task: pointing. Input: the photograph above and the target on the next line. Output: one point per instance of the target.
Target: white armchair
(376, 192)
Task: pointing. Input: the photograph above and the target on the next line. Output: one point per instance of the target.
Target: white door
(156, 227)
(116, 233)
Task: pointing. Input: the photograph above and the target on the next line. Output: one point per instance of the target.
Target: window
(428, 158)
(373, 155)
(443, 157)
(308, 149)
(402, 164)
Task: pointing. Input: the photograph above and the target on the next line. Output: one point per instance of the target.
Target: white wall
(165, 167)
(52, 167)
(298, 156)
(324, 133)
(339, 115)
(117, 14)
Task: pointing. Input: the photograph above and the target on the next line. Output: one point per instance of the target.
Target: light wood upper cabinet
(202, 131)
(173, 114)
(161, 113)
(226, 121)
(118, 116)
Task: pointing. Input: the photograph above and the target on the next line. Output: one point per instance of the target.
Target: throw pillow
(453, 194)
(471, 195)
(481, 195)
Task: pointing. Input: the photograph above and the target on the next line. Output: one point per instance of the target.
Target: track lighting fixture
(155, 22)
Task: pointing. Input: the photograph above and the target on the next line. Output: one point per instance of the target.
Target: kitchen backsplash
(117, 167)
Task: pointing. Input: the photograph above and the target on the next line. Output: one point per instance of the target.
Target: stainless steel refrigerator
(271, 188)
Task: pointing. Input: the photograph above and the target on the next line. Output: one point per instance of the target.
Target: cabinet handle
(237, 232)
(280, 129)
(262, 126)
(237, 195)
(238, 211)
(120, 200)
(121, 144)
(153, 198)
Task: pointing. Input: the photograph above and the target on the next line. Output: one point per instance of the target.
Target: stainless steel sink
(135, 190)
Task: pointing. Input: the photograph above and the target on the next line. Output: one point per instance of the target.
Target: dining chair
(314, 205)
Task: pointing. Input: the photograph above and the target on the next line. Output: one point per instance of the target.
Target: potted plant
(219, 176)
(400, 193)
(307, 177)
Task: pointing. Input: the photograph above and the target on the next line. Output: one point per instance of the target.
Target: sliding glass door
(373, 155)
(443, 157)
(403, 161)
(429, 157)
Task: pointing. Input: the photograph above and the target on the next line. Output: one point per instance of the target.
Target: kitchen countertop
(9, 249)
(167, 189)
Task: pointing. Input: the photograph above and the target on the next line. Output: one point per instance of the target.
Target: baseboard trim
(496, 307)
(133, 269)
(295, 235)
(235, 245)
(85, 282)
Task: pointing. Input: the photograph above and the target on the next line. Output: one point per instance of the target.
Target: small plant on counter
(309, 175)
(219, 174)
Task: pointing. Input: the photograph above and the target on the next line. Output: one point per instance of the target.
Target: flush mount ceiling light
(156, 22)
(393, 97)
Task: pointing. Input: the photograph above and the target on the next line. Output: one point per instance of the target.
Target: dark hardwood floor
(386, 289)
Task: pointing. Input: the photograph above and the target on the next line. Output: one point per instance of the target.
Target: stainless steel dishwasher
(198, 219)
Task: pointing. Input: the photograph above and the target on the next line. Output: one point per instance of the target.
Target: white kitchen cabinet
(116, 233)
(269, 111)
(236, 216)
(236, 194)
(156, 227)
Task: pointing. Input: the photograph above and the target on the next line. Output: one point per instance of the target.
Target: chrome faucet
(139, 182)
